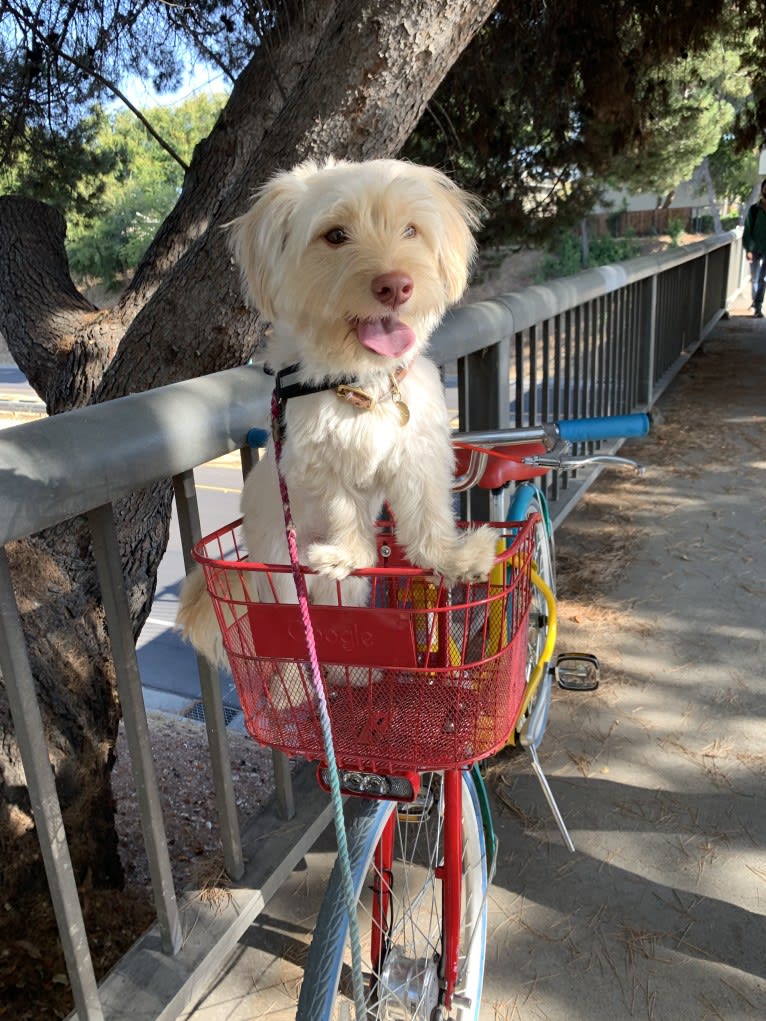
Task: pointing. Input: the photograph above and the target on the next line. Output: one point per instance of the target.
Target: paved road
(168, 670)
(167, 665)
(16, 396)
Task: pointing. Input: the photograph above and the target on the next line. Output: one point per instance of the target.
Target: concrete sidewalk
(660, 912)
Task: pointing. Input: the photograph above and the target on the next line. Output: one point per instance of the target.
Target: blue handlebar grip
(583, 430)
(257, 438)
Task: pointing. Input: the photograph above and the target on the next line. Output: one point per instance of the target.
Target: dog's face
(355, 263)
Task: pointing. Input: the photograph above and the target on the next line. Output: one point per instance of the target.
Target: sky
(201, 78)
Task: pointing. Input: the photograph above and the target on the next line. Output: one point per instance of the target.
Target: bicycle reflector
(372, 785)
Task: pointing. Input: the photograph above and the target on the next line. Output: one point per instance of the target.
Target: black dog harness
(345, 388)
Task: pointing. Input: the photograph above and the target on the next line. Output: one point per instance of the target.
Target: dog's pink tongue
(390, 336)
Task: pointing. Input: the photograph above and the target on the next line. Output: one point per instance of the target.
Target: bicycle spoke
(407, 985)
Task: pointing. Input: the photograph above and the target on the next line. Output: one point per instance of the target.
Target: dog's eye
(410, 231)
(336, 236)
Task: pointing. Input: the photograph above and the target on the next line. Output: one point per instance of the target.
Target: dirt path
(660, 773)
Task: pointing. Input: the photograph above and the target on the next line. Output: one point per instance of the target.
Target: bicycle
(423, 683)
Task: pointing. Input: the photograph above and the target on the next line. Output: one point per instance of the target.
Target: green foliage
(706, 224)
(110, 246)
(689, 106)
(676, 227)
(67, 170)
(551, 100)
(141, 187)
(564, 256)
(734, 172)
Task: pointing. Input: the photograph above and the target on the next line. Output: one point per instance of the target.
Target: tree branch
(59, 340)
(87, 69)
(241, 129)
(355, 98)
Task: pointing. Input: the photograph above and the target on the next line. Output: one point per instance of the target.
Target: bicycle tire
(415, 919)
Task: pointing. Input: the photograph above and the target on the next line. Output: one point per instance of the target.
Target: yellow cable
(498, 623)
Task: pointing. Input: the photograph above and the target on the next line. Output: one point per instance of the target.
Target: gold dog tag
(401, 407)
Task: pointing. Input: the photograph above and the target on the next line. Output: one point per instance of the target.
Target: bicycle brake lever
(569, 463)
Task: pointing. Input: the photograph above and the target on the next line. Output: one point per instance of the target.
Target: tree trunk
(346, 78)
(584, 243)
(706, 177)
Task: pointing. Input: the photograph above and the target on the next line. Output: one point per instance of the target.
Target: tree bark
(346, 78)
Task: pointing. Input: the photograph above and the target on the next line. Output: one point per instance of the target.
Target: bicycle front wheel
(397, 858)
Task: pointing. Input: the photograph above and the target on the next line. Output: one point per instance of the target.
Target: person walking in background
(754, 242)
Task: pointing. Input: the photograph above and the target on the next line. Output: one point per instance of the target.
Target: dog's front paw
(337, 561)
(473, 556)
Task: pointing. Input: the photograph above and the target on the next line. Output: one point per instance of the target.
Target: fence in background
(606, 341)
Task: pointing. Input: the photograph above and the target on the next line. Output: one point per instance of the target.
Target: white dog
(354, 264)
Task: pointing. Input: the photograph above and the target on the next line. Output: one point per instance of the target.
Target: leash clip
(277, 418)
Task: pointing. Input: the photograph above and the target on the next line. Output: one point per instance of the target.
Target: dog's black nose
(393, 289)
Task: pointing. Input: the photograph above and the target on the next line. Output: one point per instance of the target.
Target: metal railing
(605, 341)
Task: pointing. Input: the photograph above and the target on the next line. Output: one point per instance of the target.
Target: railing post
(703, 297)
(485, 396)
(109, 566)
(734, 275)
(210, 686)
(30, 734)
(484, 402)
(647, 344)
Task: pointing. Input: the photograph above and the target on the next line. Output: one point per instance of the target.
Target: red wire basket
(423, 676)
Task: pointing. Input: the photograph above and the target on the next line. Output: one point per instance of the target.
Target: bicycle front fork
(448, 871)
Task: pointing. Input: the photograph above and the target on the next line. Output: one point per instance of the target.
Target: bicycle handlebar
(538, 448)
(493, 458)
(577, 430)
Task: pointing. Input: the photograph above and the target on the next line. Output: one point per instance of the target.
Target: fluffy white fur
(313, 250)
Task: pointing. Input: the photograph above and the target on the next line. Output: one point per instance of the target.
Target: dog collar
(362, 399)
(284, 389)
(346, 389)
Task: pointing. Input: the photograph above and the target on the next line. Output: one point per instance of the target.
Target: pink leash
(277, 420)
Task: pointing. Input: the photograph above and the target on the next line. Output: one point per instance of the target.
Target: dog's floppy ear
(259, 236)
(460, 216)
